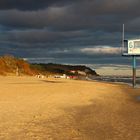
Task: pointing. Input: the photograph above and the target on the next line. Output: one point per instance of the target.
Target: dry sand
(54, 109)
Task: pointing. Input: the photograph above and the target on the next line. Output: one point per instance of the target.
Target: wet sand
(57, 109)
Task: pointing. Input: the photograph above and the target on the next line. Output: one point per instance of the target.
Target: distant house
(81, 73)
(72, 77)
(63, 76)
(73, 71)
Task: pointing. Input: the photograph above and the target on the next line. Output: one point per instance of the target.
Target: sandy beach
(58, 109)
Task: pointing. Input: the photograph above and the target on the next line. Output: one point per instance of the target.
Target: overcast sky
(68, 31)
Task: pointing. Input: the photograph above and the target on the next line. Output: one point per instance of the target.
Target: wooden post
(17, 71)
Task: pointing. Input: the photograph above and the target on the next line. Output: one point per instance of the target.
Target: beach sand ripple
(56, 109)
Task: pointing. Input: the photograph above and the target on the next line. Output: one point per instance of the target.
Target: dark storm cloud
(31, 4)
(39, 36)
(77, 29)
(70, 39)
(98, 15)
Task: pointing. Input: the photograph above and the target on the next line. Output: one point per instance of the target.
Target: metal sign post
(134, 71)
(131, 48)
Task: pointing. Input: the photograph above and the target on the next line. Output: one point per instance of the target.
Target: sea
(117, 79)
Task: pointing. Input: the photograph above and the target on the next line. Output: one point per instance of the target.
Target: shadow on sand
(38, 82)
(46, 81)
(132, 93)
(97, 121)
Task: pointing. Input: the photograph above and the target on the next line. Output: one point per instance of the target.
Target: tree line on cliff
(10, 65)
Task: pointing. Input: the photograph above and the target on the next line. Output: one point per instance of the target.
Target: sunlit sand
(59, 109)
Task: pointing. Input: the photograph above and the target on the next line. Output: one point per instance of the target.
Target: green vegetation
(10, 65)
(64, 69)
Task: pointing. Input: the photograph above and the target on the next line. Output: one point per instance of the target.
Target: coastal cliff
(10, 65)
